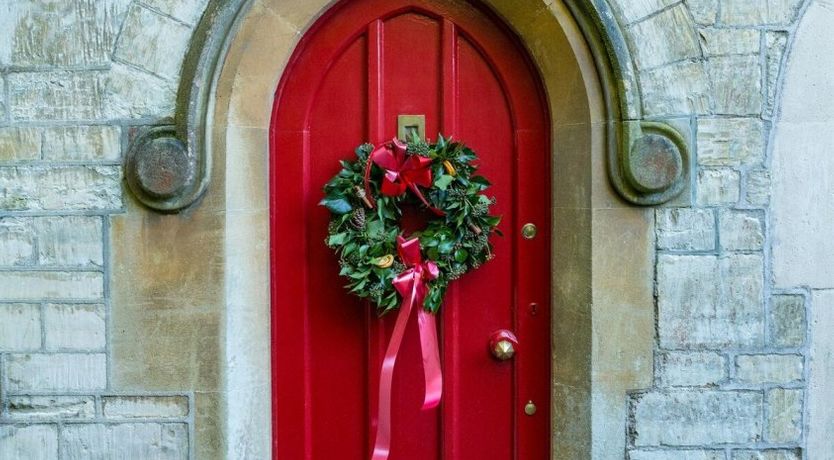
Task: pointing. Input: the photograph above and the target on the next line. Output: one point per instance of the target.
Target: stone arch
(585, 209)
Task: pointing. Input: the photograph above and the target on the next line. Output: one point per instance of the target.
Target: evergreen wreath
(366, 198)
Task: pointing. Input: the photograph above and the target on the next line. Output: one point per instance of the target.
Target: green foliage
(457, 242)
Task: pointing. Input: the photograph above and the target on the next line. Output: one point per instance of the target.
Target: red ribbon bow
(402, 172)
(411, 284)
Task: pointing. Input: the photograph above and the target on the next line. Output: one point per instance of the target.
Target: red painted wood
(359, 66)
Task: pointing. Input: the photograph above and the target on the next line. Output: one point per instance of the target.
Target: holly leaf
(461, 255)
(443, 181)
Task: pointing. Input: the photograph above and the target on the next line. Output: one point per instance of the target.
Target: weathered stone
(32, 442)
(47, 407)
(740, 230)
(685, 229)
(49, 33)
(787, 320)
(758, 12)
(60, 95)
(69, 240)
(41, 285)
(18, 144)
(130, 93)
(153, 42)
(689, 368)
(664, 38)
(17, 241)
(634, 10)
(60, 188)
(707, 301)
(693, 418)
(730, 141)
(736, 84)
(58, 372)
(784, 416)
(145, 406)
(82, 143)
(74, 327)
(680, 88)
(820, 423)
(718, 42)
(717, 187)
(704, 12)
(128, 441)
(188, 11)
(20, 327)
(768, 454)
(761, 369)
(775, 44)
(676, 455)
(758, 187)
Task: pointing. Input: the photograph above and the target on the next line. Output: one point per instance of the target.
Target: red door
(360, 66)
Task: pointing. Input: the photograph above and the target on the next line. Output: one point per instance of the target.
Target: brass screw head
(528, 231)
(530, 408)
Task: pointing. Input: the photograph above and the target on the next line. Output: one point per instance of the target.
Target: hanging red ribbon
(411, 284)
(402, 172)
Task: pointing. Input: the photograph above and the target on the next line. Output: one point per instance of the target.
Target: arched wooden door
(360, 66)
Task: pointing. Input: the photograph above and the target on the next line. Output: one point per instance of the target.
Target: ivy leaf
(337, 205)
(443, 181)
(337, 239)
(461, 255)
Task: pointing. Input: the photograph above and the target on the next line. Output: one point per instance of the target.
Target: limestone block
(19, 144)
(740, 230)
(718, 41)
(59, 33)
(707, 301)
(787, 321)
(17, 241)
(761, 369)
(758, 12)
(730, 141)
(69, 240)
(153, 42)
(131, 93)
(680, 88)
(74, 327)
(664, 38)
(676, 454)
(693, 418)
(145, 406)
(43, 285)
(703, 12)
(55, 372)
(188, 11)
(820, 423)
(47, 407)
(784, 416)
(61, 188)
(717, 187)
(125, 441)
(689, 368)
(736, 84)
(633, 10)
(768, 454)
(82, 143)
(59, 95)
(685, 229)
(775, 44)
(20, 327)
(32, 442)
(757, 191)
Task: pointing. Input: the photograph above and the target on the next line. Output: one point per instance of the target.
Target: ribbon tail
(431, 358)
(382, 444)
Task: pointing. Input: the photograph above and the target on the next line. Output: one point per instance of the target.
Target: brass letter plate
(407, 124)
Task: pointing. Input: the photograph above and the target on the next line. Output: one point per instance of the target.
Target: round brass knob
(503, 344)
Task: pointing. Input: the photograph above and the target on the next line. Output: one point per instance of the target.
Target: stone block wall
(77, 76)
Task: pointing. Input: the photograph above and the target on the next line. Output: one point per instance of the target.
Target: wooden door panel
(362, 64)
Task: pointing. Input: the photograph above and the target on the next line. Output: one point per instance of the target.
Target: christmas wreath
(366, 199)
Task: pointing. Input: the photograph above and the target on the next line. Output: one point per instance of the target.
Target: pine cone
(357, 219)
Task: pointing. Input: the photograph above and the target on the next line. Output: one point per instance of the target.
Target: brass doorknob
(503, 344)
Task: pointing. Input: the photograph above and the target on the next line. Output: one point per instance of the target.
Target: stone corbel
(648, 161)
(168, 168)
